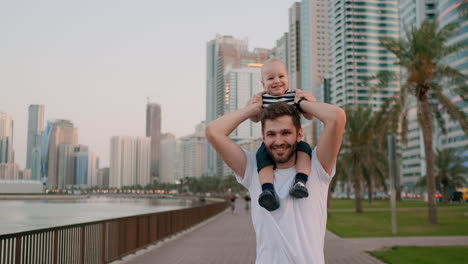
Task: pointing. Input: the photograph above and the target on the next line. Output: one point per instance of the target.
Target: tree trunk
(348, 188)
(357, 187)
(369, 189)
(445, 197)
(426, 127)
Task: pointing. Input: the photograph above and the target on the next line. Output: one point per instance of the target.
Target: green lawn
(349, 204)
(412, 221)
(426, 255)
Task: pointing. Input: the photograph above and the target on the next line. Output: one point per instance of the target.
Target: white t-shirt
(295, 232)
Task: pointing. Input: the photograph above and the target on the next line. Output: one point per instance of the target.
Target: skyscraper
(35, 130)
(224, 52)
(191, 150)
(281, 50)
(62, 132)
(294, 43)
(153, 130)
(240, 85)
(315, 43)
(6, 139)
(451, 11)
(357, 53)
(130, 161)
(168, 158)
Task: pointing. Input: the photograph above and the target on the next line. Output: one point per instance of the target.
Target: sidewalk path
(230, 239)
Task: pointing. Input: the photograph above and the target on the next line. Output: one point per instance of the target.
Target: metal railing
(100, 241)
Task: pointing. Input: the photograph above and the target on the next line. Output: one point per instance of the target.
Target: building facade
(153, 131)
(129, 163)
(294, 44)
(6, 139)
(35, 129)
(357, 54)
(168, 158)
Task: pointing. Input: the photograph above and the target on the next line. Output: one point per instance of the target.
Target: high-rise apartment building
(224, 52)
(239, 86)
(314, 43)
(6, 139)
(168, 158)
(62, 132)
(281, 50)
(452, 11)
(357, 54)
(36, 164)
(35, 130)
(191, 161)
(66, 176)
(153, 131)
(294, 43)
(81, 168)
(130, 161)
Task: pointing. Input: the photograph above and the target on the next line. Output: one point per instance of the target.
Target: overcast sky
(96, 61)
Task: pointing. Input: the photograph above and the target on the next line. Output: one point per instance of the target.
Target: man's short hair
(280, 109)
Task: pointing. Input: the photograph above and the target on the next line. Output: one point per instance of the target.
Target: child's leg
(303, 167)
(265, 166)
(303, 164)
(266, 175)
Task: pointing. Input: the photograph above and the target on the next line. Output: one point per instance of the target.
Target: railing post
(82, 256)
(18, 250)
(104, 240)
(55, 247)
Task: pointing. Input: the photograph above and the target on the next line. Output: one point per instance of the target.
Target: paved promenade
(230, 239)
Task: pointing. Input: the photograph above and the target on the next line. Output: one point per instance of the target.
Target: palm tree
(421, 54)
(450, 171)
(360, 153)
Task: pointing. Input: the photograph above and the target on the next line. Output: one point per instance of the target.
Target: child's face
(275, 78)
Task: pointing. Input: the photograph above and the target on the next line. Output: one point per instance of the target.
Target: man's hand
(257, 102)
(309, 97)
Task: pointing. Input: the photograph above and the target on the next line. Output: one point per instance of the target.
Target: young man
(295, 232)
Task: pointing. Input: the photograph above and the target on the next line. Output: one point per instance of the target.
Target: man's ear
(300, 135)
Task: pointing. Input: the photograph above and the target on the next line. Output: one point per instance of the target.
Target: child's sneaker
(299, 190)
(269, 200)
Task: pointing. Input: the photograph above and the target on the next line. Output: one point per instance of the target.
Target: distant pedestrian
(247, 201)
(233, 203)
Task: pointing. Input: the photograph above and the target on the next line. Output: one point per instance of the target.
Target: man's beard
(285, 158)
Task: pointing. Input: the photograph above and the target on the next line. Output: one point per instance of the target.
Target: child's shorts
(264, 159)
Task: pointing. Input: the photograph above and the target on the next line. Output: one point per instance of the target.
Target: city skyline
(95, 63)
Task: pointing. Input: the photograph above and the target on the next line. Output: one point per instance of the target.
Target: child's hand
(309, 97)
(302, 94)
(256, 102)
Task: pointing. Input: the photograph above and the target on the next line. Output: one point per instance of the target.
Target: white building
(168, 159)
(240, 85)
(191, 157)
(357, 54)
(6, 139)
(129, 163)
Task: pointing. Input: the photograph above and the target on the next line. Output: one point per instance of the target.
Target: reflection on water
(19, 216)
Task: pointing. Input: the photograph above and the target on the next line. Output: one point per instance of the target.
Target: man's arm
(217, 133)
(334, 120)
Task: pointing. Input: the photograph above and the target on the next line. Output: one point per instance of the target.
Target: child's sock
(302, 177)
(299, 189)
(268, 198)
(268, 186)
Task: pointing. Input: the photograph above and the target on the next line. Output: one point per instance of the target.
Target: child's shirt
(287, 97)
